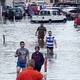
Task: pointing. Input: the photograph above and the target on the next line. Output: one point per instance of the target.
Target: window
(45, 13)
(55, 13)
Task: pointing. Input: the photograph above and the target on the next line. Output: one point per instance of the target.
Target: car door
(45, 15)
(57, 16)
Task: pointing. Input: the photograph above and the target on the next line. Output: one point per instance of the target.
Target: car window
(33, 4)
(45, 13)
(55, 13)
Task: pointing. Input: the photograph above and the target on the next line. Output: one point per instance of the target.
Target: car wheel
(50, 21)
(33, 21)
(64, 21)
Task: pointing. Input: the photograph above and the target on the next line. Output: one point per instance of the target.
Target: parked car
(22, 10)
(5, 11)
(58, 8)
(17, 13)
(34, 8)
(77, 22)
(11, 14)
(21, 4)
(67, 4)
(71, 12)
(48, 15)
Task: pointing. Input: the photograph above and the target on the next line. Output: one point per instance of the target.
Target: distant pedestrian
(50, 43)
(41, 32)
(29, 73)
(29, 11)
(23, 55)
(38, 58)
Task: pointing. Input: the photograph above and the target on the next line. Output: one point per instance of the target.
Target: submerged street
(67, 64)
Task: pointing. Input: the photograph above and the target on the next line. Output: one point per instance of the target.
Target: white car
(71, 12)
(48, 15)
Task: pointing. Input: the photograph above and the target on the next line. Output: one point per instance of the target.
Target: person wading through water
(37, 56)
(41, 32)
(50, 43)
(23, 55)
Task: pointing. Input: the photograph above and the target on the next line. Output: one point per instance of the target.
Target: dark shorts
(21, 65)
(50, 52)
(50, 48)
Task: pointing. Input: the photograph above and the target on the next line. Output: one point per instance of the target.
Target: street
(67, 64)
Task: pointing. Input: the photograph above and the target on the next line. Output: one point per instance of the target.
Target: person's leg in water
(38, 67)
(47, 52)
(18, 70)
(41, 42)
(20, 67)
(50, 52)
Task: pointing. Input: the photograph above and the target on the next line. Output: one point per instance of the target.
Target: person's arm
(45, 31)
(27, 54)
(55, 43)
(16, 54)
(45, 42)
(42, 59)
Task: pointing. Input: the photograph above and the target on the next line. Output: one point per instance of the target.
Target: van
(48, 15)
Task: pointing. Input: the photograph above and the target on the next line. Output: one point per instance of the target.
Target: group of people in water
(31, 66)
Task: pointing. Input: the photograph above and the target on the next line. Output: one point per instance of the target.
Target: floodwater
(67, 64)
